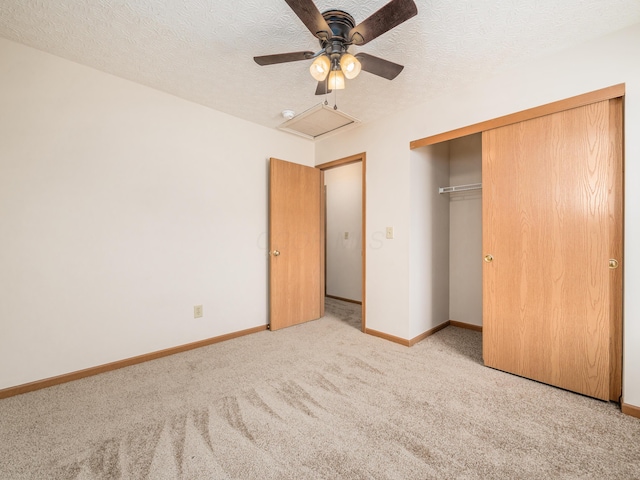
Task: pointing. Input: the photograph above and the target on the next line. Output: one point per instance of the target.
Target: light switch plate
(389, 233)
(197, 311)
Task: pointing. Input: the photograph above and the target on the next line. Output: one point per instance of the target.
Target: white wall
(387, 260)
(344, 216)
(121, 208)
(598, 64)
(429, 239)
(465, 232)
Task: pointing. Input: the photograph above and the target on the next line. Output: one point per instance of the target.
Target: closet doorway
(345, 227)
(464, 192)
(552, 241)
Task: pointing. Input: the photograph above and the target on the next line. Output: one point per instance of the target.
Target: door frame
(359, 157)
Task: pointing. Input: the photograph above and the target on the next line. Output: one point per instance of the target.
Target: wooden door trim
(616, 202)
(608, 93)
(630, 409)
(323, 241)
(358, 157)
(342, 161)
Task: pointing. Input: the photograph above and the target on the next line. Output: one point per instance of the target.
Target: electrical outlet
(197, 311)
(389, 233)
(346, 235)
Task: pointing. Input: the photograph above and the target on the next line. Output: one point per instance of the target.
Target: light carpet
(319, 401)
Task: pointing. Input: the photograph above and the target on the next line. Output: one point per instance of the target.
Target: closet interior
(460, 193)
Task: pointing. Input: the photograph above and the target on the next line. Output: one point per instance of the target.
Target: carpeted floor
(319, 400)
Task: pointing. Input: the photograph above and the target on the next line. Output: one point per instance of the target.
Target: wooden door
(551, 222)
(296, 244)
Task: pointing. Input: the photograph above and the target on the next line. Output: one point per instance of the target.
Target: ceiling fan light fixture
(336, 30)
(350, 66)
(320, 68)
(336, 80)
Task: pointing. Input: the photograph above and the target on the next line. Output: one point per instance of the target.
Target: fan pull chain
(326, 92)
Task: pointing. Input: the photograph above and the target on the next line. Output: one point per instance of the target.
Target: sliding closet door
(550, 187)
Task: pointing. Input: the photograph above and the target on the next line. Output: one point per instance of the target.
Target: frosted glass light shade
(336, 80)
(350, 66)
(320, 68)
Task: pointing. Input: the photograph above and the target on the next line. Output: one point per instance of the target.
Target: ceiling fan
(336, 30)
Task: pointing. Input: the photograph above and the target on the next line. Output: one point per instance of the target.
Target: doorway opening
(345, 233)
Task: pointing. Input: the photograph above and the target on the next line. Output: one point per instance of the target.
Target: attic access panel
(318, 121)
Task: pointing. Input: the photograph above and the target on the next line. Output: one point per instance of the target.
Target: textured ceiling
(202, 50)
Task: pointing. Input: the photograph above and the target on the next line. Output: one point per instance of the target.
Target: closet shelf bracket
(460, 188)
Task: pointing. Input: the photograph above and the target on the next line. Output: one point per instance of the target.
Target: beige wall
(121, 208)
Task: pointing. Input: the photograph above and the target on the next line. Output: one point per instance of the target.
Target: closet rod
(460, 188)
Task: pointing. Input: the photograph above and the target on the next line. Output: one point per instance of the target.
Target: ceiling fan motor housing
(341, 24)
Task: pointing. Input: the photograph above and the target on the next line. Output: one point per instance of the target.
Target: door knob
(275, 253)
(488, 258)
(613, 264)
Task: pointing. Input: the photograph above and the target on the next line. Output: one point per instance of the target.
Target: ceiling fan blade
(379, 66)
(283, 58)
(391, 15)
(322, 89)
(307, 11)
